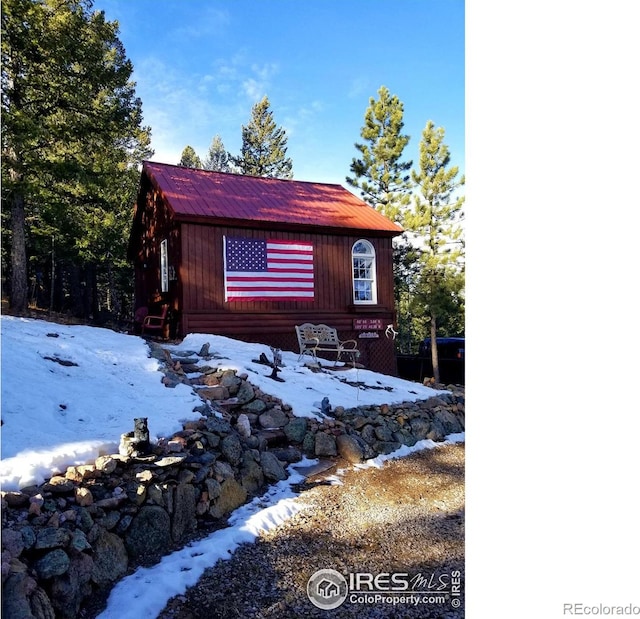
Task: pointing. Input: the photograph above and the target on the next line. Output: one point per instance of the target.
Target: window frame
(164, 266)
(371, 272)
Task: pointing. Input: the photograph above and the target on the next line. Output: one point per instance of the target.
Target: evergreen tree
(264, 145)
(379, 173)
(217, 158)
(436, 218)
(71, 137)
(189, 159)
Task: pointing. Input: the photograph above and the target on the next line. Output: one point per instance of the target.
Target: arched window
(364, 272)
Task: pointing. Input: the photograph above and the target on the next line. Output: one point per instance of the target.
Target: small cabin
(250, 257)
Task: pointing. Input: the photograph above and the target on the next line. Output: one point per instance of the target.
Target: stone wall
(69, 540)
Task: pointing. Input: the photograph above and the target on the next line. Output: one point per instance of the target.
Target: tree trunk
(434, 349)
(19, 287)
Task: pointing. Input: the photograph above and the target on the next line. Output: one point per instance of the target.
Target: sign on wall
(367, 324)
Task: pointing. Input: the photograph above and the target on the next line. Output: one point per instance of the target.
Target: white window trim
(374, 275)
(164, 266)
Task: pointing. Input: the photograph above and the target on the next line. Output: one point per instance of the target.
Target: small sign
(367, 324)
(369, 335)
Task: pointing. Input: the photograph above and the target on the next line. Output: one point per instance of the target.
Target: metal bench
(322, 338)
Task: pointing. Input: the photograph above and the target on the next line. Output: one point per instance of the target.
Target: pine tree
(217, 158)
(264, 145)
(189, 159)
(380, 174)
(436, 218)
(71, 133)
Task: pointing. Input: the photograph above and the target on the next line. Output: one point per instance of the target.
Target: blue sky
(201, 64)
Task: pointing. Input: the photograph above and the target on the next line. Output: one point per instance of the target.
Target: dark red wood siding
(204, 310)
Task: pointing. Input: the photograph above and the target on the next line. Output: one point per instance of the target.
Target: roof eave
(275, 225)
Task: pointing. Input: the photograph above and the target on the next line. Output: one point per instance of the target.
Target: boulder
(273, 418)
(349, 448)
(22, 598)
(184, 511)
(67, 591)
(251, 475)
(325, 445)
(232, 449)
(52, 564)
(272, 467)
(232, 495)
(296, 429)
(149, 534)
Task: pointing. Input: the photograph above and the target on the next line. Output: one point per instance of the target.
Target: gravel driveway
(403, 523)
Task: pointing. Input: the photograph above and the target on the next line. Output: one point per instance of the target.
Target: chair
(138, 318)
(156, 323)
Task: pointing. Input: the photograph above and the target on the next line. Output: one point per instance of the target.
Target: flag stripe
(268, 270)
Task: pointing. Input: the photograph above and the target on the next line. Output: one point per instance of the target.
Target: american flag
(259, 270)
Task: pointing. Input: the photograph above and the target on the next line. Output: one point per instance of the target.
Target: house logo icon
(327, 589)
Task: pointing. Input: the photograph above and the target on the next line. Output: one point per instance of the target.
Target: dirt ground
(402, 523)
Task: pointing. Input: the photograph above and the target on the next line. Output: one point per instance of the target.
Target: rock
(386, 447)
(216, 392)
(231, 382)
(52, 564)
(222, 471)
(106, 464)
(273, 418)
(232, 495)
(110, 560)
(84, 497)
(243, 426)
(184, 511)
(383, 433)
(22, 598)
(170, 460)
(51, 537)
(420, 428)
(204, 350)
(325, 445)
(287, 454)
(232, 449)
(213, 488)
(368, 434)
(211, 380)
(136, 492)
(256, 406)
(58, 485)
(251, 475)
(359, 422)
(431, 403)
(435, 435)
(405, 437)
(149, 534)
(245, 394)
(12, 542)
(296, 429)
(272, 467)
(449, 421)
(349, 448)
(79, 541)
(309, 444)
(15, 498)
(217, 425)
(67, 590)
(28, 536)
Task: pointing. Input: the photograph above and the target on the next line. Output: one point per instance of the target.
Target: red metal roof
(204, 194)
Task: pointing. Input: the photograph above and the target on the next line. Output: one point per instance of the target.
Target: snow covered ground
(69, 392)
